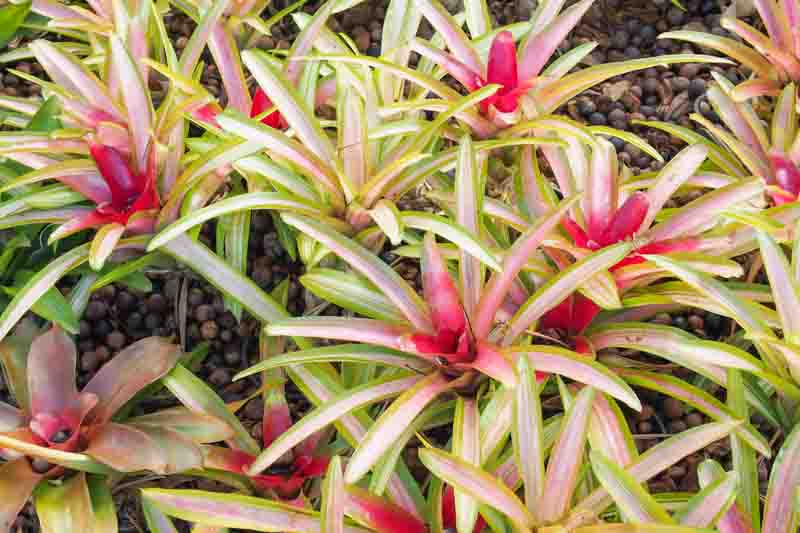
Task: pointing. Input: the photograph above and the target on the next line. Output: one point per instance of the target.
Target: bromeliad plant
(58, 433)
(528, 87)
(105, 143)
(773, 58)
(447, 344)
(501, 444)
(747, 147)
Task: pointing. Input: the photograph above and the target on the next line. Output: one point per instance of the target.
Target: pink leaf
(627, 220)
(130, 371)
(600, 201)
(502, 67)
(440, 291)
(379, 514)
(787, 175)
(116, 172)
(17, 481)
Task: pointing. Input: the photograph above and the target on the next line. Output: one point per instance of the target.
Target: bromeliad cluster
(514, 303)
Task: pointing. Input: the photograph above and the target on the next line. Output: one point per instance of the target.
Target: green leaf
(198, 396)
(46, 118)
(105, 513)
(635, 504)
(11, 18)
(51, 305)
(350, 292)
(64, 508)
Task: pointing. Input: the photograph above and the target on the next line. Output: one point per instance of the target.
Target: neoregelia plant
(57, 430)
(773, 58)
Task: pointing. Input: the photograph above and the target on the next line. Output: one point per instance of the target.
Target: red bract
(285, 480)
(130, 192)
(261, 103)
(452, 340)
(787, 177)
(449, 512)
(502, 70)
(624, 225)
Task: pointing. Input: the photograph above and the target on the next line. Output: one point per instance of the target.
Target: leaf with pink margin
(461, 72)
(609, 432)
(230, 281)
(680, 168)
(601, 192)
(66, 507)
(477, 483)
(775, 22)
(200, 37)
(561, 478)
(784, 287)
(135, 367)
(290, 104)
(392, 423)
(364, 330)
(321, 384)
(654, 460)
(782, 58)
(237, 511)
(632, 500)
(514, 261)
(17, 482)
(707, 507)
(697, 213)
(371, 267)
(734, 49)
(70, 73)
(553, 95)
(558, 288)
(157, 521)
(225, 51)
(103, 244)
(137, 102)
(673, 344)
(697, 398)
(352, 126)
(469, 200)
(303, 44)
(454, 37)
(738, 118)
(556, 360)
(466, 446)
(782, 489)
(733, 520)
(528, 436)
(325, 415)
(539, 47)
(79, 174)
(334, 499)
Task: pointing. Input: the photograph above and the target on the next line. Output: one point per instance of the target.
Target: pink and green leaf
(392, 422)
(633, 501)
(65, 508)
(17, 482)
(330, 412)
(707, 507)
(781, 492)
(370, 266)
(334, 499)
(236, 511)
(561, 478)
(528, 435)
(480, 485)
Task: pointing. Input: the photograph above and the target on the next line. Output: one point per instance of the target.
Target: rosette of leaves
(449, 343)
(577, 471)
(101, 140)
(615, 208)
(526, 86)
(64, 447)
(746, 146)
(774, 57)
(353, 184)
